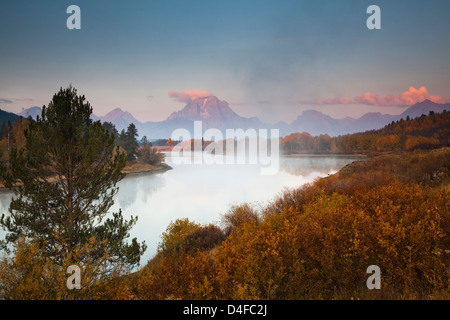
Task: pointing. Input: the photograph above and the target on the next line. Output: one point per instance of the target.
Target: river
(203, 192)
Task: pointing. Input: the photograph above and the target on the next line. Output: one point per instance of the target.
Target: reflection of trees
(129, 188)
(5, 200)
(132, 185)
(304, 165)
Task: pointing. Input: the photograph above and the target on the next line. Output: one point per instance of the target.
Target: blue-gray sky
(266, 58)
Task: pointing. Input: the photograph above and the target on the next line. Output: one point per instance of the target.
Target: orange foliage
(317, 241)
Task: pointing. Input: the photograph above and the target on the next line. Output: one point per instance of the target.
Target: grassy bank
(141, 168)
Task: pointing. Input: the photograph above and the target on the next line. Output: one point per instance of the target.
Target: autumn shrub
(183, 266)
(173, 238)
(428, 168)
(409, 237)
(29, 274)
(258, 261)
(295, 198)
(238, 216)
(325, 251)
(150, 155)
(204, 238)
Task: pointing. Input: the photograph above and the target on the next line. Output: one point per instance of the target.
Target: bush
(150, 155)
(238, 216)
(204, 238)
(30, 274)
(176, 232)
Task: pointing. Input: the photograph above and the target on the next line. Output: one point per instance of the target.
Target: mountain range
(215, 113)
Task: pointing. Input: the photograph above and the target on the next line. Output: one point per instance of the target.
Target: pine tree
(145, 142)
(64, 181)
(131, 145)
(111, 128)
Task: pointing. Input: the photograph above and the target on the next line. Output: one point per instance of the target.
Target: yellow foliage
(31, 275)
(316, 242)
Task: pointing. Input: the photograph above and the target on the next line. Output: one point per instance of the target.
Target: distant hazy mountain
(215, 113)
(33, 112)
(6, 116)
(121, 119)
(424, 107)
(315, 123)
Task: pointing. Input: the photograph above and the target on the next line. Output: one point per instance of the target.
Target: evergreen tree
(131, 143)
(111, 128)
(145, 142)
(64, 181)
(4, 131)
(122, 139)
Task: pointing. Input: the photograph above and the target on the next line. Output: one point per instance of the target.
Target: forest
(312, 242)
(425, 132)
(12, 135)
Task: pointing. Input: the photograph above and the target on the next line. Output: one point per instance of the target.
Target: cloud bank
(189, 95)
(407, 98)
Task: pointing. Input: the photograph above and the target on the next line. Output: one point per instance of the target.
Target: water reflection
(304, 165)
(129, 187)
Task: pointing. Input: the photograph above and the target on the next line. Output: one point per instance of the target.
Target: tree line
(424, 132)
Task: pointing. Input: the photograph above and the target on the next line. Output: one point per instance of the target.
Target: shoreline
(137, 169)
(130, 171)
(344, 155)
(144, 171)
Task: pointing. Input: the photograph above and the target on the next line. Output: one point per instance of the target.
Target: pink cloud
(189, 95)
(407, 98)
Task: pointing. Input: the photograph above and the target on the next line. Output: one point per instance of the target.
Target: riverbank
(144, 168)
(130, 170)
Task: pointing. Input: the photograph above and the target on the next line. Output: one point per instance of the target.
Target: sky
(267, 58)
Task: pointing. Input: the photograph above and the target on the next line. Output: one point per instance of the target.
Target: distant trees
(142, 152)
(149, 154)
(6, 127)
(304, 141)
(425, 132)
(12, 136)
(128, 141)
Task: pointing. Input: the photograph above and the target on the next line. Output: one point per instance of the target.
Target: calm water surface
(204, 192)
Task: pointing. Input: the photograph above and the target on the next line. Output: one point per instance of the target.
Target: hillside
(424, 132)
(317, 241)
(7, 116)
